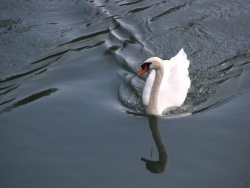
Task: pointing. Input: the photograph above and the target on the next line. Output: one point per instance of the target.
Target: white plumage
(171, 85)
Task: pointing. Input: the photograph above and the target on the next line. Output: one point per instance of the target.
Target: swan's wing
(180, 59)
(179, 72)
(148, 87)
(176, 81)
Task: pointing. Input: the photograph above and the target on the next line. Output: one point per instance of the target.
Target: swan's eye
(147, 64)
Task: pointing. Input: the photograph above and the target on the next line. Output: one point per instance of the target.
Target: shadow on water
(160, 165)
(29, 99)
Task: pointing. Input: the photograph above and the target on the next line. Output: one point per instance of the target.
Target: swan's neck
(153, 108)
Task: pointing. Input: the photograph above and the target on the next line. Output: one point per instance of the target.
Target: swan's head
(151, 63)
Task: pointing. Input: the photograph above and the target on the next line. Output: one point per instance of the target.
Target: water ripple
(133, 31)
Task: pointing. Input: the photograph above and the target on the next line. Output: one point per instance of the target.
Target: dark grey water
(70, 100)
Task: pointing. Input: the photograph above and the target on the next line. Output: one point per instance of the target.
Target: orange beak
(143, 70)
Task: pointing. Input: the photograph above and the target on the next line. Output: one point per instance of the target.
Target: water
(70, 101)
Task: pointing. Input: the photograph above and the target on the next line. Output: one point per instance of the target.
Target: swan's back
(175, 82)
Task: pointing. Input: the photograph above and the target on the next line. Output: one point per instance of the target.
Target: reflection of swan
(160, 165)
(167, 85)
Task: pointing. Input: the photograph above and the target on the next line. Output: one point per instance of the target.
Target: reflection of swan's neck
(158, 141)
(160, 165)
(152, 108)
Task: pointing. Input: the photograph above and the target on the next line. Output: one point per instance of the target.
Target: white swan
(167, 84)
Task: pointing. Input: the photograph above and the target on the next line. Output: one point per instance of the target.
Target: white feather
(174, 85)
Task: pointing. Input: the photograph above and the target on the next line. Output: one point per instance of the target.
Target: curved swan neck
(153, 99)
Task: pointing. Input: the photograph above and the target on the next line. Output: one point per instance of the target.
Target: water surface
(70, 101)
